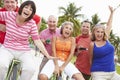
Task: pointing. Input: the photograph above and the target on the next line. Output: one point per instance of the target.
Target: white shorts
(105, 76)
(69, 70)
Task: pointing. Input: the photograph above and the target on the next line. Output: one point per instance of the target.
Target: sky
(89, 8)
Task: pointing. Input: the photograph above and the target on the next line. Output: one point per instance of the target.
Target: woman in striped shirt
(19, 26)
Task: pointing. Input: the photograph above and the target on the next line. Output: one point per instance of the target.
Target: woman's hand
(111, 9)
(61, 69)
(56, 71)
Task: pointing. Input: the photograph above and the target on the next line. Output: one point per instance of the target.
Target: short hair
(96, 27)
(32, 6)
(86, 21)
(65, 23)
(52, 16)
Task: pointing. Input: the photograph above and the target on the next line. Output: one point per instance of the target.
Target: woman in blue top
(102, 52)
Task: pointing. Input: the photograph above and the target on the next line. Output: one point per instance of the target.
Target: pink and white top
(17, 35)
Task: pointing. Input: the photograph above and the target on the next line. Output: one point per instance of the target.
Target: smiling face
(67, 29)
(27, 11)
(52, 23)
(85, 28)
(10, 5)
(99, 34)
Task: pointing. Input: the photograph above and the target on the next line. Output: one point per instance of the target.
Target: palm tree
(71, 14)
(96, 20)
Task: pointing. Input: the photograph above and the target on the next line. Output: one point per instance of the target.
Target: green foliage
(96, 20)
(70, 13)
(43, 25)
(53, 77)
(115, 40)
(31, 40)
(118, 69)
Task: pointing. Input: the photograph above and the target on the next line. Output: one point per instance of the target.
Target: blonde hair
(97, 27)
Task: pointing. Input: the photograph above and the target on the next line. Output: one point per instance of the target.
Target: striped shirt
(17, 36)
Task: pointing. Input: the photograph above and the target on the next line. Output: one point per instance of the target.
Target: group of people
(95, 54)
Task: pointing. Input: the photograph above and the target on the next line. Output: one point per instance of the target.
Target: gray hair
(52, 16)
(65, 23)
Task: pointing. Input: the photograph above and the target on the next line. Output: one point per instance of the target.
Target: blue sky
(89, 8)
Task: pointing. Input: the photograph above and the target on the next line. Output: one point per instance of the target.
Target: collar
(52, 32)
(85, 36)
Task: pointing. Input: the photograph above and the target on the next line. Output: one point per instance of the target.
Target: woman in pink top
(62, 47)
(19, 27)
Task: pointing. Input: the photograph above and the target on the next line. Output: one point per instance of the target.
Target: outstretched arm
(41, 47)
(56, 70)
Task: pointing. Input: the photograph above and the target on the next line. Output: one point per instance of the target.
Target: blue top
(103, 58)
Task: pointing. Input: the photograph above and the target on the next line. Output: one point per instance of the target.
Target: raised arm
(109, 23)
